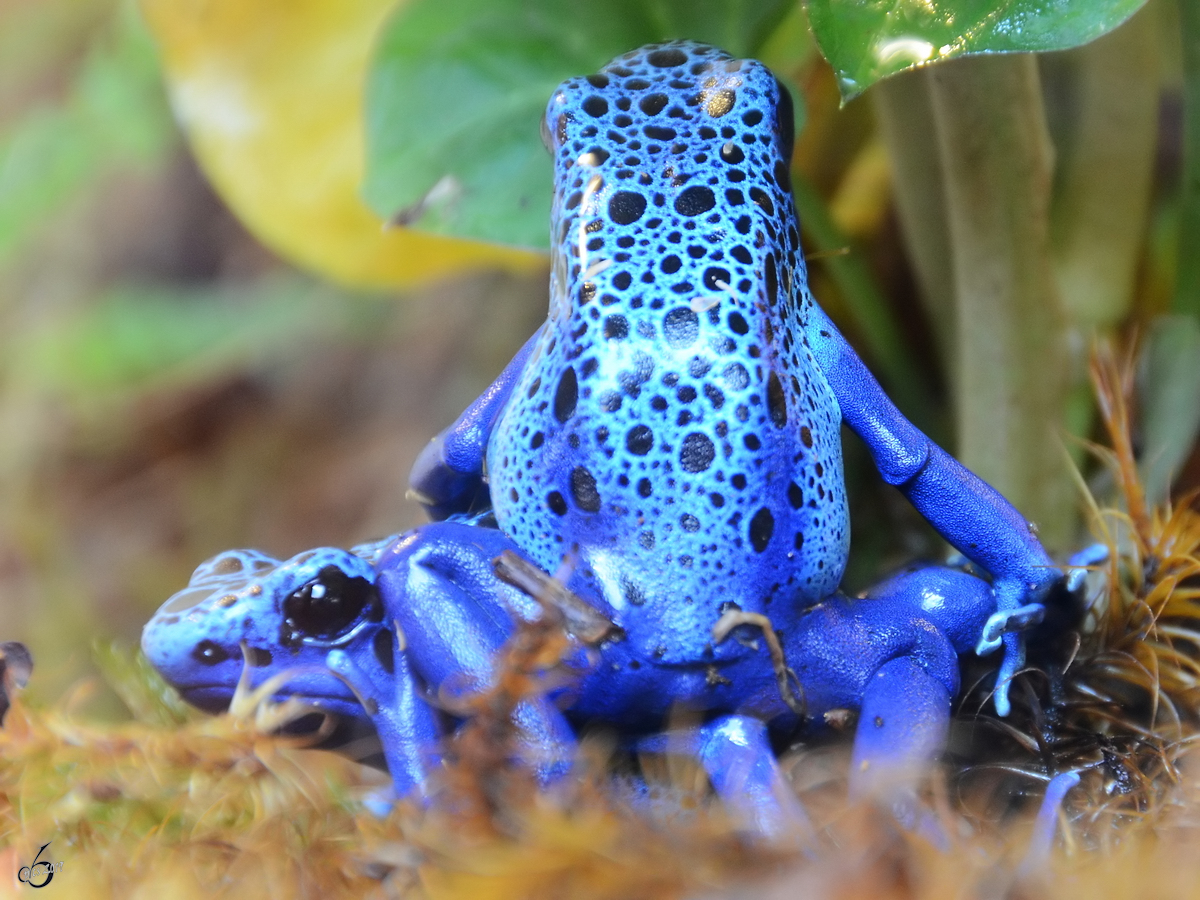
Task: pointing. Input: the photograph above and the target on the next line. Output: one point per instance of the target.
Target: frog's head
(288, 616)
(662, 138)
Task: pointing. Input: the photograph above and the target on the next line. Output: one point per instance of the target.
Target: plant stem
(905, 113)
(1104, 96)
(1105, 162)
(1010, 371)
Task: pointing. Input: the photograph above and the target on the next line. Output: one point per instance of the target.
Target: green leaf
(458, 88)
(866, 40)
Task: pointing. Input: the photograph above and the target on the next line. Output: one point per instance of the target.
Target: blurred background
(170, 387)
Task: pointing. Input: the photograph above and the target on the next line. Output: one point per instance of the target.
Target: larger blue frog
(675, 425)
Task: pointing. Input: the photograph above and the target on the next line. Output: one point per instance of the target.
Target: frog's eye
(331, 606)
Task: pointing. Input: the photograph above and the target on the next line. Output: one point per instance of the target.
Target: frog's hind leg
(440, 589)
(736, 753)
(904, 717)
(1045, 826)
(902, 727)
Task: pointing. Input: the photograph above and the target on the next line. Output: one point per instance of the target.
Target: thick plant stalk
(905, 113)
(1105, 132)
(1010, 365)
(1105, 164)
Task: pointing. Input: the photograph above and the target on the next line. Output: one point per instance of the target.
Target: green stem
(1105, 95)
(1010, 372)
(1187, 285)
(905, 113)
(872, 318)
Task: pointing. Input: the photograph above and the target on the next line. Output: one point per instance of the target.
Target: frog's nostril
(209, 653)
(258, 657)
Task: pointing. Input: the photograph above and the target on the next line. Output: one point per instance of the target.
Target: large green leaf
(866, 40)
(458, 87)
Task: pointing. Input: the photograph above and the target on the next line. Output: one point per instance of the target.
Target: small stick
(580, 618)
(736, 617)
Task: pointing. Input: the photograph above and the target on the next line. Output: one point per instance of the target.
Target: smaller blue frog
(327, 621)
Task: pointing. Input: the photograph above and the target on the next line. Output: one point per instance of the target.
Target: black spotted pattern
(672, 422)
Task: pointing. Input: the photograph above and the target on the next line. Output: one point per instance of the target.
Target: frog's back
(672, 422)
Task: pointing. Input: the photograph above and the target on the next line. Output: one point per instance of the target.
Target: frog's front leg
(409, 728)
(964, 509)
(448, 476)
(439, 587)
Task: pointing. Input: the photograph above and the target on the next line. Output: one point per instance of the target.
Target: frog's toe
(1081, 563)
(1041, 842)
(1010, 665)
(381, 802)
(1008, 621)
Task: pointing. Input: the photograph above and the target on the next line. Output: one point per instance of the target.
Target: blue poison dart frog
(675, 424)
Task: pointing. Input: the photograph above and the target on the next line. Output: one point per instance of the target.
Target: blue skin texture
(676, 423)
(677, 419)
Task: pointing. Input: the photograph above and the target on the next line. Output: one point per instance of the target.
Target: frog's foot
(1041, 842)
(1080, 566)
(408, 726)
(1006, 622)
(1003, 628)
(736, 753)
(439, 487)
(1020, 605)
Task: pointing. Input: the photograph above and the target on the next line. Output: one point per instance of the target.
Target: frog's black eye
(329, 607)
(547, 139)
(786, 117)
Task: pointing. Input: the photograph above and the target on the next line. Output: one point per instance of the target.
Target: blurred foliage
(109, 114)
(271, 96)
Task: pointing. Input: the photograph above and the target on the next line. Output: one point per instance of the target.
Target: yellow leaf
(270, 93)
